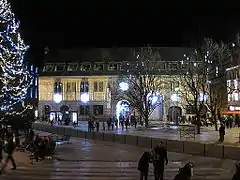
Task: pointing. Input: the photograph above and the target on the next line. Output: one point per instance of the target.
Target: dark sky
(61, 25)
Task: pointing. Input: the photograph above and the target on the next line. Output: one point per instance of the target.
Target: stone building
(79, 82)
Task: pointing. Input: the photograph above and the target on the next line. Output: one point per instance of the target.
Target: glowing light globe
(174, 98)
(57, 98)
(124, 86)
(85, 97)
(154, 99)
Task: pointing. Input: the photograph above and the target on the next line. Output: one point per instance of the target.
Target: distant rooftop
(113, 54)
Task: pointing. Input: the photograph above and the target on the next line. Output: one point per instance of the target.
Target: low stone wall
(187, 147)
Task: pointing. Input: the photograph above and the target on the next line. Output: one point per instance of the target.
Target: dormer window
(59, 67)
(72, 67)
(86, 67)
(48, 68)
(98, 67)
(112, 66)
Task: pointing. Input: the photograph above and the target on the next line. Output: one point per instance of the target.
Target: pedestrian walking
(143, 165)
(221, 133)
(159, 159)
(97, 126)
(103, 125)
(9, 149)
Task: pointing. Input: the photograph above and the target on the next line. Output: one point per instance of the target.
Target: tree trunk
(146, 121)
(215, 122)
(198, 124)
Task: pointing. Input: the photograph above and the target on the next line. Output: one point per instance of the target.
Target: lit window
(235, 96)
(84, 86)
(229, 97)
(112, 66)
(59, 67)
(86, 67)
(72, 67)
(48, 68)
(98, 67)
(235, 84)
(216, 71)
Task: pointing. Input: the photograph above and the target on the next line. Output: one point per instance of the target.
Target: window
(48, 68)
(86, 67)
(84, 86)
(57, 87)
(84, 110)
(36, 93)
(95, 86)
(59, 67)
(98, 67)
(70, 91)
(72, 67)
(98, 110)
(45, 90)
(36, 82)
(173, 66)
(71, 87)
(112, 66)
(98, 86)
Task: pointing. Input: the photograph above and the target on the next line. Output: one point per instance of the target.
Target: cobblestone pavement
(208, 134)
(97, 160)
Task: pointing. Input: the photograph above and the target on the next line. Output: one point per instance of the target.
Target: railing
(187, 132)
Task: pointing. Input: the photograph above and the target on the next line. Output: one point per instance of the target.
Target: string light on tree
(14, 76)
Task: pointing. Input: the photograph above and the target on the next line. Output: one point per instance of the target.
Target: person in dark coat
(186, 172)
(10, 147)
(159, 159)
(143, 165)
(221, 133)
(236, 176)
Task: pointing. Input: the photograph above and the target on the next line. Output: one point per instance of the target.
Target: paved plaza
(208, 134)
(97, 160)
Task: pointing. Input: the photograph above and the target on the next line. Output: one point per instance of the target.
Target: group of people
(39, 146)
(230, 121)
(158, 157)
(113, 123)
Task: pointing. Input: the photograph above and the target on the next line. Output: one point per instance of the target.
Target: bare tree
(143, 83)
(202, 79)
(194, 88)
(217, 60)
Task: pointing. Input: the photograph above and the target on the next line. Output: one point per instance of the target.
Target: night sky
(60, 25)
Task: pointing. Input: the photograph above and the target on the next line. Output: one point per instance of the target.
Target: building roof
(114, 54)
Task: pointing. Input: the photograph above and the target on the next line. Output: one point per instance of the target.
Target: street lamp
(57, 97)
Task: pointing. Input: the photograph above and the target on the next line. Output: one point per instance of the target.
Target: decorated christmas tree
(14, 75)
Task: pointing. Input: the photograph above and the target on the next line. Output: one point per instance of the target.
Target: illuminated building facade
(233, 89)
(79, 83)
(32, 92)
